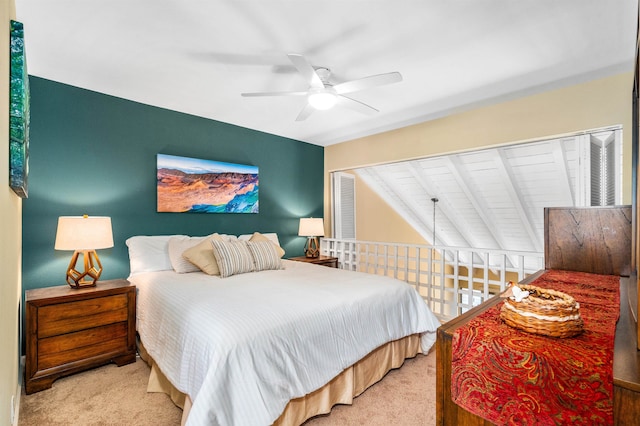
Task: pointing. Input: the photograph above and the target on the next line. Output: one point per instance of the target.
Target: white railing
(450, 279)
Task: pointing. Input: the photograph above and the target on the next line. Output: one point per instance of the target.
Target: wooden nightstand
(329, 261)
(71, 330)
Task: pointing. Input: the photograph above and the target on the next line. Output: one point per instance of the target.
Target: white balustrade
(451, 280)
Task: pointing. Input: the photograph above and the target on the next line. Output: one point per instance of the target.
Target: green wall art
(18, 113)
(204, 186)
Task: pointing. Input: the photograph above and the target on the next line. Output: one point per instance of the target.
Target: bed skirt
(340, 390)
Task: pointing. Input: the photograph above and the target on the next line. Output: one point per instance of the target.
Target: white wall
(10, 239)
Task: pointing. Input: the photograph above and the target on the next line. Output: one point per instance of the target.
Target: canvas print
(205, 186)
(18, 112)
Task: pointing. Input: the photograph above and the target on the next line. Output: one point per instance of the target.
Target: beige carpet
(108, 395)
(112, 395)
(404, 397)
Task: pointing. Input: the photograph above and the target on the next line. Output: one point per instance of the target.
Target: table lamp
(312, 228)
(84, 234)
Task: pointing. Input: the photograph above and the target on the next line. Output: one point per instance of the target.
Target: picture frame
(192, 185)
(19, 112)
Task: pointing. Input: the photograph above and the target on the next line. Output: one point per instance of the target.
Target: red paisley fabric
(511, 377)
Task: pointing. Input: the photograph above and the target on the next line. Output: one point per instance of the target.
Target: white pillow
(178, 245)
(270, 235)
(149, 253)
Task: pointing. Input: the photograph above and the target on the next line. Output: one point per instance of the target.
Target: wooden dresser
(626, 367)
(593, 240)
(71, 330)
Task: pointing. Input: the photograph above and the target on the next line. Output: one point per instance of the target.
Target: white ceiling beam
(451, 214)
(560, 158)
(482, 209)
(513, 192)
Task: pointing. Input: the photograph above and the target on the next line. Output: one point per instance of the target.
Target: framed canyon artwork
(19, 112)
(192, 185)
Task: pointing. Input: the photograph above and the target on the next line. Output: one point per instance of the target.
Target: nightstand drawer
(74, 316)
(53, 351)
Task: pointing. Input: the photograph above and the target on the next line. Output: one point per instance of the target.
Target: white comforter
(243, 346)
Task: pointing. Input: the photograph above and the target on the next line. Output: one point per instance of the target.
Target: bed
(272, 346)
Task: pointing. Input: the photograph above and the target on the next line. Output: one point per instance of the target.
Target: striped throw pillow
(265, 255)
(233, 257)
(261, 237)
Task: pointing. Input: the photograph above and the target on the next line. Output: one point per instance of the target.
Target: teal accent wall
(96, 154)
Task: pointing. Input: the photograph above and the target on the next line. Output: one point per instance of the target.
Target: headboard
(588, 239)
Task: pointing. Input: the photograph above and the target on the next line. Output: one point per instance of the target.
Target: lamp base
(77, 279)
(312, 248)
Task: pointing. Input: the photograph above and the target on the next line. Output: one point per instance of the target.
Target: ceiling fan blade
(307, 71)
(255, 94)
(356, 105)
(306, 112)
(367, 82)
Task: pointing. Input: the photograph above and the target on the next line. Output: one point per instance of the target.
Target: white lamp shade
(311, 227)
(84, 233)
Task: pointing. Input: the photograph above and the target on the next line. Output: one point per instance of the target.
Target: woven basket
(546, 312)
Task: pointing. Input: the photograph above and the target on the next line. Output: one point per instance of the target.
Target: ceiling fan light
(322, 100)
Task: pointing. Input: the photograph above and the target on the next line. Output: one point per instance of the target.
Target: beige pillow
(202, 256)
(233, 257)
(258, 237)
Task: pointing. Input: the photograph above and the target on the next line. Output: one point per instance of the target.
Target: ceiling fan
(322, 94)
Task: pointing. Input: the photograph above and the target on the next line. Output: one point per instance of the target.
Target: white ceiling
(198, 56)
(495, 198)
